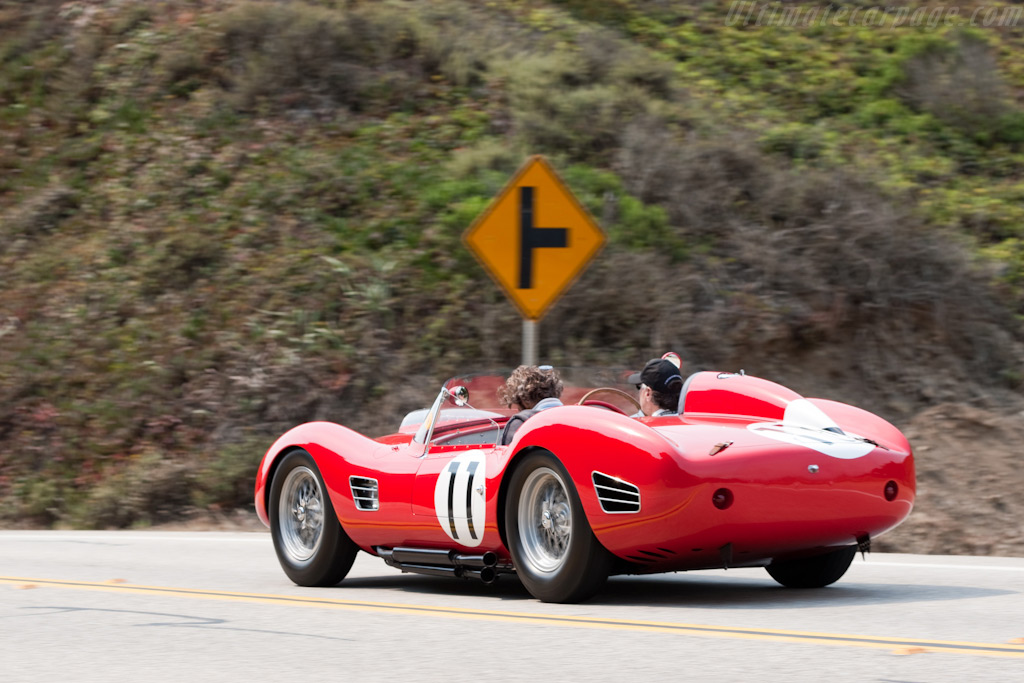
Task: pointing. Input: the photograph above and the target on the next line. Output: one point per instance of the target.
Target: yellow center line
(899, 645)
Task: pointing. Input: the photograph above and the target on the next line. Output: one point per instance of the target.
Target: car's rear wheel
(813, 572)
(556, 555)
(311, 545)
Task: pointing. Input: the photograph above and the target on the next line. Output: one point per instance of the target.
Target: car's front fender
(331, 446)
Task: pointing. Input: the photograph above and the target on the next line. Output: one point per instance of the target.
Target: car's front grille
(615, 495)
(364, 493)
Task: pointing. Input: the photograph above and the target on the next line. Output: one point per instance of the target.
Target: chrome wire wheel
(545, 520)
(310, 543)
(556, 555)
(301, 514)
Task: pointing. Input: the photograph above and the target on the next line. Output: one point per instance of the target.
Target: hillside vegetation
(219, 218)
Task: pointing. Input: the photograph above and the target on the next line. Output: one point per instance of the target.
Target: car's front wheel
(311, 545)
(813, 572)
(556, 555)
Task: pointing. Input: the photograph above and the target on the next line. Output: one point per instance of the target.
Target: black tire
(311, 545)
(556, 555)
(813, 572)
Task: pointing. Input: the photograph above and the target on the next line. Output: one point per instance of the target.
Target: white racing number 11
(460, 497)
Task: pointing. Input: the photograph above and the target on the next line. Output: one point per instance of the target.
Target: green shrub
(605, 11)
(39, 500)
(486, 155)
(1009, 128)
(447, 39)
(794, 140)
(585, 124)
(41, 213)
(147, 489)
(359, 57)
(311, 54)
(227, 477)
(578, 102)
(184, 67)
(180, 259)
(960, 84)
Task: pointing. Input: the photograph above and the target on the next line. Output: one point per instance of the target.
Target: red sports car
(748, 474)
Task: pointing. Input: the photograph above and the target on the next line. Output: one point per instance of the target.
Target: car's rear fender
(725, 394)
(676, 477)
(588, 440)
(863, 423)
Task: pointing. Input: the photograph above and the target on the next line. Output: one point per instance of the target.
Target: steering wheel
(586, 400)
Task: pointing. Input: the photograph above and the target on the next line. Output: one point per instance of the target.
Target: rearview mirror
(459, 395)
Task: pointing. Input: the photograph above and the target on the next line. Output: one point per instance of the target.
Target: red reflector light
(891, 490)
(722, 498)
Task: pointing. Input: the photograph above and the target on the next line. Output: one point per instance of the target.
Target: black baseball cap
(659, 374)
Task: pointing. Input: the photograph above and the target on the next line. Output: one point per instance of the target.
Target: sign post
(534, 240)
(530, 350)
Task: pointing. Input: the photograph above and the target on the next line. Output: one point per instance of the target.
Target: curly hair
(528, 385)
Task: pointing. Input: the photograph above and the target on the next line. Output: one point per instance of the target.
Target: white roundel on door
(460, 495)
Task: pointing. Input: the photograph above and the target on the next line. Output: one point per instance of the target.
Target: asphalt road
(164, 606)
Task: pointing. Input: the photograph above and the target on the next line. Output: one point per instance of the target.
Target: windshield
(483, 387)
(482, 406)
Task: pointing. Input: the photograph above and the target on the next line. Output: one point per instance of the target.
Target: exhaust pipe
(428, 570)
(488, 559)
(483, 567)
(487, 575)
(422, 556)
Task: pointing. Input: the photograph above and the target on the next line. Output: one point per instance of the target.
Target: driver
(533, 388)
(659, 384)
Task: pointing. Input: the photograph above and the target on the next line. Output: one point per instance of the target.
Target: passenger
(659, 384)
(532, 389)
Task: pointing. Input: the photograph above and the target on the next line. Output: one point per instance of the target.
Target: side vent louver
(364, 493)
(616, 496)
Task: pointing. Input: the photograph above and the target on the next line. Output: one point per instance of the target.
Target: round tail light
(892, 489)
(722, 498)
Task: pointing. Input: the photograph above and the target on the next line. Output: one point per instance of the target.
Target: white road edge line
(924, 565)
(264, 537)
(221, 537)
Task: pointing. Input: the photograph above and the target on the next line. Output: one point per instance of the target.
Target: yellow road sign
(535, 238)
